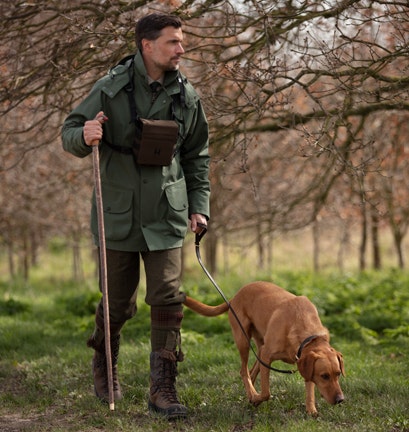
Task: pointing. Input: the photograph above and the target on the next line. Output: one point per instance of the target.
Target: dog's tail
(205, 310)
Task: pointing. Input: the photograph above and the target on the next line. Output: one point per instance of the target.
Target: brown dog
(285, 327)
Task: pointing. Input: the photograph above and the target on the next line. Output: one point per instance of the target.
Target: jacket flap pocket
(177, 195)
(116, 201)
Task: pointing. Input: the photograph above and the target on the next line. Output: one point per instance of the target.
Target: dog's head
(323, 366)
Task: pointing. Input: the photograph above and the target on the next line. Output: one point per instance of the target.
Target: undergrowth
(45, 375)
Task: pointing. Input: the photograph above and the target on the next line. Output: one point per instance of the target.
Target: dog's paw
(256, 400)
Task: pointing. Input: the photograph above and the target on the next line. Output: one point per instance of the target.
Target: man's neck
(152, 71)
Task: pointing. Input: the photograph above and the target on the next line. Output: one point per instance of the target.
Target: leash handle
(201, 234)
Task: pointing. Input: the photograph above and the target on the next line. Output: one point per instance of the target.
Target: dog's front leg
(310, 398)
(265, 387)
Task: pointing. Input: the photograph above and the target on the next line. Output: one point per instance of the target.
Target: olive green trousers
(162, 271)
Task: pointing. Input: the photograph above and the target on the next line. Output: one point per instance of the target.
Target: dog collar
(303, 344)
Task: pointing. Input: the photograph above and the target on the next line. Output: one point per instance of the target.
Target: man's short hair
(150, 26)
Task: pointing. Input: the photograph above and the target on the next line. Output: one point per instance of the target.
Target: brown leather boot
(163, 398)
(100, 371)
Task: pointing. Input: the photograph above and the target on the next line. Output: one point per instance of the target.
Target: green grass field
(45, 366)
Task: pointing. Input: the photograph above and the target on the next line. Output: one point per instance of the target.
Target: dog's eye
(325, 377)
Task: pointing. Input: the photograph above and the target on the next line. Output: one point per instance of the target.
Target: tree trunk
(33, 248)
(24, 262)
(10, 250)
(77, 262)
(375, 240)
(226, 256)
(211, 251)
(260, 247)
(362, 248)
(316, 246)
(398, 237)
(270, 265)
(342, 247)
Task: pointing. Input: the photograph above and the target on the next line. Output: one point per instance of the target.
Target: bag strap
(129, 89)
(118, 148)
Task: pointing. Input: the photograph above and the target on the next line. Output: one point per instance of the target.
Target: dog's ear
(306, 365)
(341, 362)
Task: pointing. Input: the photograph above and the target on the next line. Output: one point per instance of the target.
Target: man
(147, 206)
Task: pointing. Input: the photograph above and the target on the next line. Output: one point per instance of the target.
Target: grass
(46, 383)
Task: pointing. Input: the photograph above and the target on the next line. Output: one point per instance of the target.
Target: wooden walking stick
(103, 266)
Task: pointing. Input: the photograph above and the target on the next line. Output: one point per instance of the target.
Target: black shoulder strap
(182, 90)
(129, 88)
(126, 59)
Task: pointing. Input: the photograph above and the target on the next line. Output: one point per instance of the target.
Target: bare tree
(324, 70)
(291, 89)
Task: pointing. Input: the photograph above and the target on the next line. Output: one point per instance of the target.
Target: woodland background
(307, 103)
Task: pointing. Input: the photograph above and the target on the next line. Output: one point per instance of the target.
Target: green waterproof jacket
(145, 207)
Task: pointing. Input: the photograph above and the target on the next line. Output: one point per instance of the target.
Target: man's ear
(146, 45)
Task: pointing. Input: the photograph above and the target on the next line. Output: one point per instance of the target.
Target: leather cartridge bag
(155, 141)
